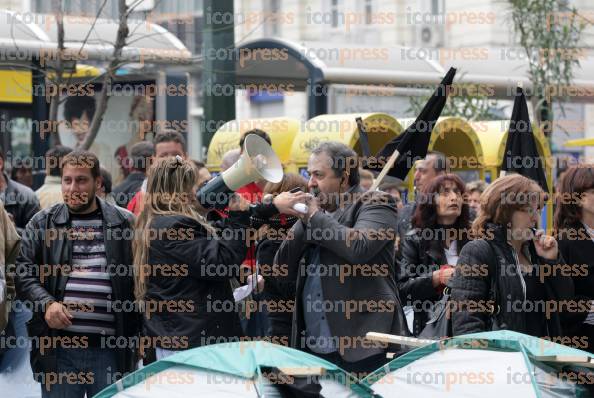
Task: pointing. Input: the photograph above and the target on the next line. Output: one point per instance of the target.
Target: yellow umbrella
(580, 142)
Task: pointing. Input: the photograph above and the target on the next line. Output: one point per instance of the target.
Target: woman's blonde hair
(168, 192)
(503, 197)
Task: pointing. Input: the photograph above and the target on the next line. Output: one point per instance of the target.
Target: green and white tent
(241, 369)
(501, 364)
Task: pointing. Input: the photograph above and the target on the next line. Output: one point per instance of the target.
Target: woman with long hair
(183, 266)
(429, 251)
(500, 281)
(574, 228)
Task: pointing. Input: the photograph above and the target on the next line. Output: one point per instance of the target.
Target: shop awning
(27, 36)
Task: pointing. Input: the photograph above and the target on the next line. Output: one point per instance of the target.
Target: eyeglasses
(531, 210)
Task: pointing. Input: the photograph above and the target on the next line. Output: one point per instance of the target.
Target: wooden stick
(580, 360)
(385, 170)
(402, 340)
(303, 371)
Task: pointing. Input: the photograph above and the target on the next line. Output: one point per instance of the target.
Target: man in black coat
(427, 169)
(75, 268)
(140, 154)
(341, 256)
(20, 201)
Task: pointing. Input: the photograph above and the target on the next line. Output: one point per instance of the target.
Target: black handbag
(439, 324)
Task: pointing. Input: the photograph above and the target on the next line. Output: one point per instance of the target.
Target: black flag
(412, 144)
(521, 155)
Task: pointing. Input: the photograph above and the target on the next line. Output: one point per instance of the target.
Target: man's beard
(83, 207)
(327, 201)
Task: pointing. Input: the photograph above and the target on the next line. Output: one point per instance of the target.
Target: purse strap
(494, 280)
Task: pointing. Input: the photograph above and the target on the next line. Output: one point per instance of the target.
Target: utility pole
(218, 74)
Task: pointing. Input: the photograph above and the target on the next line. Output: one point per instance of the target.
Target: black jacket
(577, 249)
(471, 286)
(38, 251)
(279, 289)
(419, 258)
(404, 224)
(201, 288)
(360, 234)
(125, 191)
(20, 201)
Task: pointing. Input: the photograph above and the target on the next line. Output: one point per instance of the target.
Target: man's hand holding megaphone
(312, 203)
(285, 202)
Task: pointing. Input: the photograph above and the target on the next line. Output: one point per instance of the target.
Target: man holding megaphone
(341, 257)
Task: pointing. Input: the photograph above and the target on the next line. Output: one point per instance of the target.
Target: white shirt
(451, 253)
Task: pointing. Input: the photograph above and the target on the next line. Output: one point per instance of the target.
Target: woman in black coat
(430, 251)
(574, 226)
(183, 266)
(500, 280)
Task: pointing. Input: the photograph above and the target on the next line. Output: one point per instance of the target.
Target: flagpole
(385, 170)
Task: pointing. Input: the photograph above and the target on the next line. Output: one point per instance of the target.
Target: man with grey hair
(344, 231)
(434, 164)
(140, 155)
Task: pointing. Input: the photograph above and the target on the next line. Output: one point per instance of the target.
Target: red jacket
(252, 193)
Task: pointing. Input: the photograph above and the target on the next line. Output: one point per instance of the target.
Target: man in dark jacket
(341, 256)
(427, 169)
(75, 267)
(140, 154)
(20, 201)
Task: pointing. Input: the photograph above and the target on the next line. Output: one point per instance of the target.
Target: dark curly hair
(576, 181)
(425, 215)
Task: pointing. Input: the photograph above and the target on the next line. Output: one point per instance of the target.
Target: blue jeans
(80, 371)
(14, 357)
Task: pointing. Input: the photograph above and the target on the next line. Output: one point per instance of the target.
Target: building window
(368, 12)
(335, 6)
(272, 14)
(436, 7)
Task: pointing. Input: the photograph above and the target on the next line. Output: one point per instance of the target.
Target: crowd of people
(117, 278)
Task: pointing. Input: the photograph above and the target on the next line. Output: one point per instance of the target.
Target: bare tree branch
(109, 76)
(55, 99)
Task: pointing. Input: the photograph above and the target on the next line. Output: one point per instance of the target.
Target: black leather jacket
(498, 255)
(419, 258)
(19, 201)
(41, 248)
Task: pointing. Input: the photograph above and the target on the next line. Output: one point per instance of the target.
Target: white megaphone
(257, 162)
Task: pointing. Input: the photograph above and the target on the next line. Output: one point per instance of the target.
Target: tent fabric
(240, 360)
(514, 357)
(510, 340)
(181, 381)
(459, 373)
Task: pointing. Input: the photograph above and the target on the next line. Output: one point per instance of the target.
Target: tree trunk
(108, 79)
